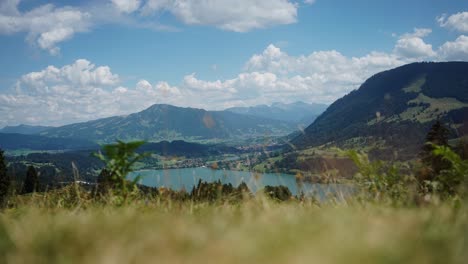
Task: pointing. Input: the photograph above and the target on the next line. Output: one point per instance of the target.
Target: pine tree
(437, 135)
(4, 180)
(31, 181)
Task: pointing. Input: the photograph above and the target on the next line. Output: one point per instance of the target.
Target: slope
(397, 106)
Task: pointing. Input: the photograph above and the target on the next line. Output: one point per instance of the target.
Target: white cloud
(329, 65)
(418, 33)
(274, 75)
(168, 92)
(127, 6)
(309, 2)
(411, 45)
(9, 7)
(456, 50)
(46, 25)
(458, 22)
(81, 74)
(78, 92)
(238, 16)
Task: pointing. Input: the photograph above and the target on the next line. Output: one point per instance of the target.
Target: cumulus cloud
(78, 92)
(82, 74)
(458, 22)
(412, 45)
(455, 50)
(46, 25)
(321, 76)
(126, 6)
(238, 16)
(324, 65)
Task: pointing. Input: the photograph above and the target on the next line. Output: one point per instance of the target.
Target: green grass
(437, 106)
(422, 114)
(269, 163)
(255, 231)
(416, 86)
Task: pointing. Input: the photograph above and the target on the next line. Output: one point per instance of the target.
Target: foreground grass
(256, 231)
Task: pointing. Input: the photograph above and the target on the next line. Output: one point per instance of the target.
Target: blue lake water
(187, 178)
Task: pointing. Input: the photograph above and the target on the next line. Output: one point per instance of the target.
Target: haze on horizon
(70, 61)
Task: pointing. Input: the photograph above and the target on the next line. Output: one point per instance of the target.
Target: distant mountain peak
(298, 112)
(167, 122)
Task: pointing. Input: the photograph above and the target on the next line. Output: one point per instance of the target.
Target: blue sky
(67, 61)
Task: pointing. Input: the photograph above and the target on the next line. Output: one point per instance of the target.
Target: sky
(69, 61)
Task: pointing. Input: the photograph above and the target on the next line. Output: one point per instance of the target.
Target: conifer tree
(4, 180)
(31, 181)
(437, 135)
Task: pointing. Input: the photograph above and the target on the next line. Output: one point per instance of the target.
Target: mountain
(24, 129)
(298, 112)
(397, 106)
(35, 142)
(166, 122)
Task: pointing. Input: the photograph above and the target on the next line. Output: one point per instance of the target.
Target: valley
(265, 139)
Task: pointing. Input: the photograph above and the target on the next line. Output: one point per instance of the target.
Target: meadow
(69, 226)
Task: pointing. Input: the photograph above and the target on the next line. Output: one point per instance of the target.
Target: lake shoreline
(187, 178)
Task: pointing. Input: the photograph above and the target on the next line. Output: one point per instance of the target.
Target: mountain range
(299, 113)
(166, 122)
(397, 106)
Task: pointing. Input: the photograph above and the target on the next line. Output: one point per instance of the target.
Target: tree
(437, 136)
(4, 180)
(31, 182)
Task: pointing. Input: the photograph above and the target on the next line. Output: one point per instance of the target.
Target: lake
(178, 179)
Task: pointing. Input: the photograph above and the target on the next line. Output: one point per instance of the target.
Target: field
(41, 229)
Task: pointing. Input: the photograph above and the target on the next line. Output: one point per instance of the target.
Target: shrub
(280, 193)
(120, 159)
(382, 182)
(216, 191)
(453, 180)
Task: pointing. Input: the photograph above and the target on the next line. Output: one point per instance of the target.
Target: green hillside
(396, 106)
